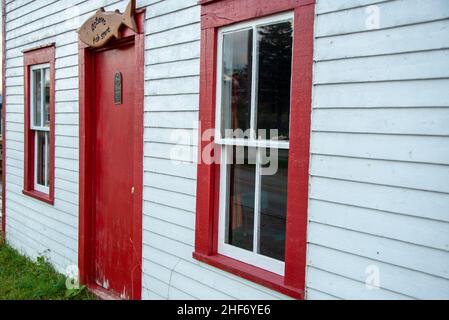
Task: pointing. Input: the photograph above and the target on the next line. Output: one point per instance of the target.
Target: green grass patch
(23, 279)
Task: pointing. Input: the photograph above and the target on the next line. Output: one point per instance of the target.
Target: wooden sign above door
(105, 25)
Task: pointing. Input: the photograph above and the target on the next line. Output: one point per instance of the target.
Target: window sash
(41, 128)
(250, 257)
(254, 143)
(43, 68)
(253, 258)
(275, 19)
(39, 187)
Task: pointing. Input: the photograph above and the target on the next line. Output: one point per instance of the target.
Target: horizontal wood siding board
(410, 38)
(418, 258)
(393, 14)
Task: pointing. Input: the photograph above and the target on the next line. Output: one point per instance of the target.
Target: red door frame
(87, 138)
(214, 15)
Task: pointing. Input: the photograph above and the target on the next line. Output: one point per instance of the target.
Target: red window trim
(34, 56)
(216, 14)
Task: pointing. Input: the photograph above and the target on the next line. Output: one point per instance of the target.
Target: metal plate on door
(118, 88)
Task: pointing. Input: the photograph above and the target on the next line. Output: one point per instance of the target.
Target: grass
(23, 279)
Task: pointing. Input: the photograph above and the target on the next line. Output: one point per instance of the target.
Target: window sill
(251, 273)
(39, 196)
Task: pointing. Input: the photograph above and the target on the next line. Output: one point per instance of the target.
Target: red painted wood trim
(44, 54)
(204, 2)
(215, 14)
(139, 42)
(39, 196)
(86, 118)
(39, 47)
(205, 221)
(251, 273)
(300, 127)
(4, 120)
(87, 142)
(218, 13)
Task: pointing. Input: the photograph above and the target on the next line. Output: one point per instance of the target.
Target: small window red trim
(216, 14)
(40, 55)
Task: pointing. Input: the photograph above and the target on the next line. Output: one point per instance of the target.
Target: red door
(114, 168)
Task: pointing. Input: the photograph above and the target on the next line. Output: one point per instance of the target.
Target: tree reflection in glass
(275, 44)
(236, 85)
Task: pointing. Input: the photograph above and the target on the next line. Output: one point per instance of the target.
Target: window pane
(236, 85)
(36, 91)
(47, 159)
(47, 98)
(273, 210)
(40, 157)
(274, 78)
(242, 180)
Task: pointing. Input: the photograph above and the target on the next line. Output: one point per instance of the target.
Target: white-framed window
(254, 68)
(40, 124)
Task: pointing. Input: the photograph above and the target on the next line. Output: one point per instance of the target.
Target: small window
(39, 123)
(253, 130)
(40, 114)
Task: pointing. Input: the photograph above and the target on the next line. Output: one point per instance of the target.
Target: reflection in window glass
(274, 78)
(242, 181)
(236, 85)
(41, 158)
(37, 97)
(273, 210)
(47, 98)
(47, 159)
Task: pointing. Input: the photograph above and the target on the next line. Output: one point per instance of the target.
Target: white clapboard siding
(182, 34)
(347, 288)
(385, 41)
(173, 183)
(379, 196)
(329, 6)
(406, 148)
(188, 137)
(427, 177)
(392, 278)
(406, 255)
(181, 102)
(383, 94)
(415, 230)
(393, 14)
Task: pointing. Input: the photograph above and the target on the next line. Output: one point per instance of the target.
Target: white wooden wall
(380, 164)
(379, 169)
